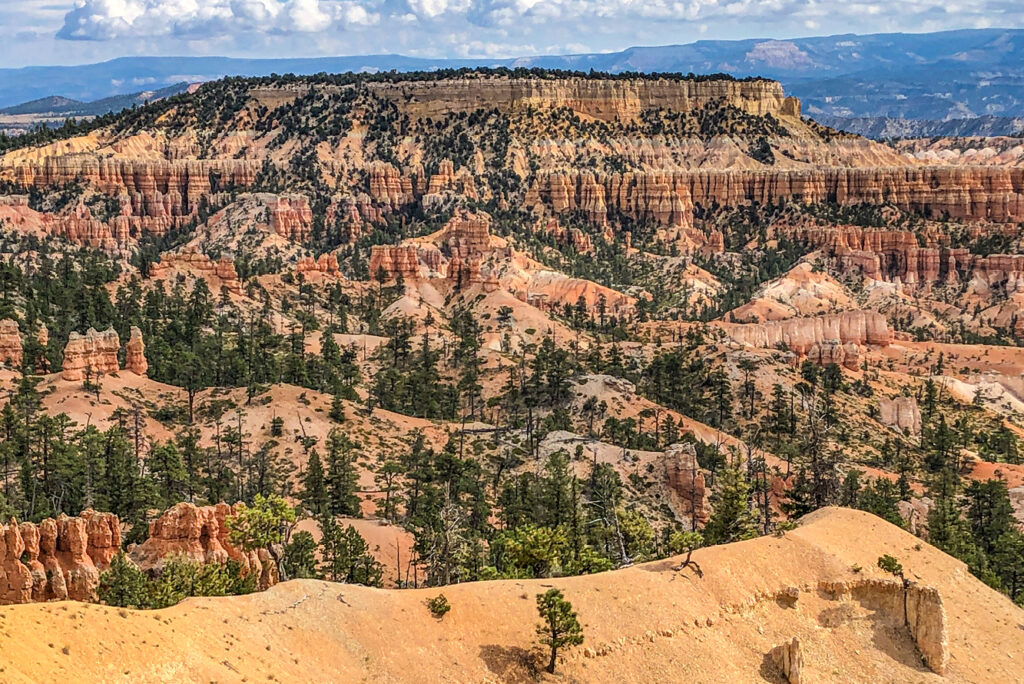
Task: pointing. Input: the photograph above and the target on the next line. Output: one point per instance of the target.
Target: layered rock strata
(898, 256)
(670, 197)
(606, 100)
(834, 338)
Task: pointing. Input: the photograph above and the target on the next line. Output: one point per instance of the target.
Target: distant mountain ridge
(64, 106)
(935, 76)
(880, 128)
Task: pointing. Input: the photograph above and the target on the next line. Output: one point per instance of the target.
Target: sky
(42, 32)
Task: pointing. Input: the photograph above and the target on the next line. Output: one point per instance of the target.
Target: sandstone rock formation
(393, 261)
(916, 607)
(90, 355)
(10, 344)
(200, 534)
(291, 217)
(221, 271)
(155, 195)
(789, 658)
(135, 353)
(58, 559)
(901, 413)
(823, 339)
(689, 495)
(833, 351)
(897, 256)
(327, 264)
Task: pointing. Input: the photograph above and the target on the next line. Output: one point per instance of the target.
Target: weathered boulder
(788, 657)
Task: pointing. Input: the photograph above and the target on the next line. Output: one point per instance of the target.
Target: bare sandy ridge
(642, 624)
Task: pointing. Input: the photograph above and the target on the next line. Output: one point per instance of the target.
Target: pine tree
(124, 585)
(731, 520)
(342, 476)
(314, 486)
(559, 626)
(168, 473)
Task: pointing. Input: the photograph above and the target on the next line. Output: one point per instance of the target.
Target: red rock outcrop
(326, 264)
(135, 353)
(199, 533)
(392, 261)
(291, 217)
(820, 334)
(10, 344)
(898, 256)
(58, 559)
(92, 354)
(220, 272)
(387, 185)
(155, 195)
(689, 495)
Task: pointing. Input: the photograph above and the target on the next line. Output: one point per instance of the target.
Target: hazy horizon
(42, 32)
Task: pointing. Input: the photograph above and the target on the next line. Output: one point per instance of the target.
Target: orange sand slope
(643, 624)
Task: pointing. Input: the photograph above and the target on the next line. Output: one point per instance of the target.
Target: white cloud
(458, 27)
(113, 19)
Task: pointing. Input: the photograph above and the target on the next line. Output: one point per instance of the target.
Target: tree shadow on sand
(511, 664)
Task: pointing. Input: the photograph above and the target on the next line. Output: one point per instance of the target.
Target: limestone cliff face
(57, 559)
(601, 99)
(669, 197)
(805, 335)
(199, 533)
(91, 355)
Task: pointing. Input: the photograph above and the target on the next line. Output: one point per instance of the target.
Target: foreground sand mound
(647, 623)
